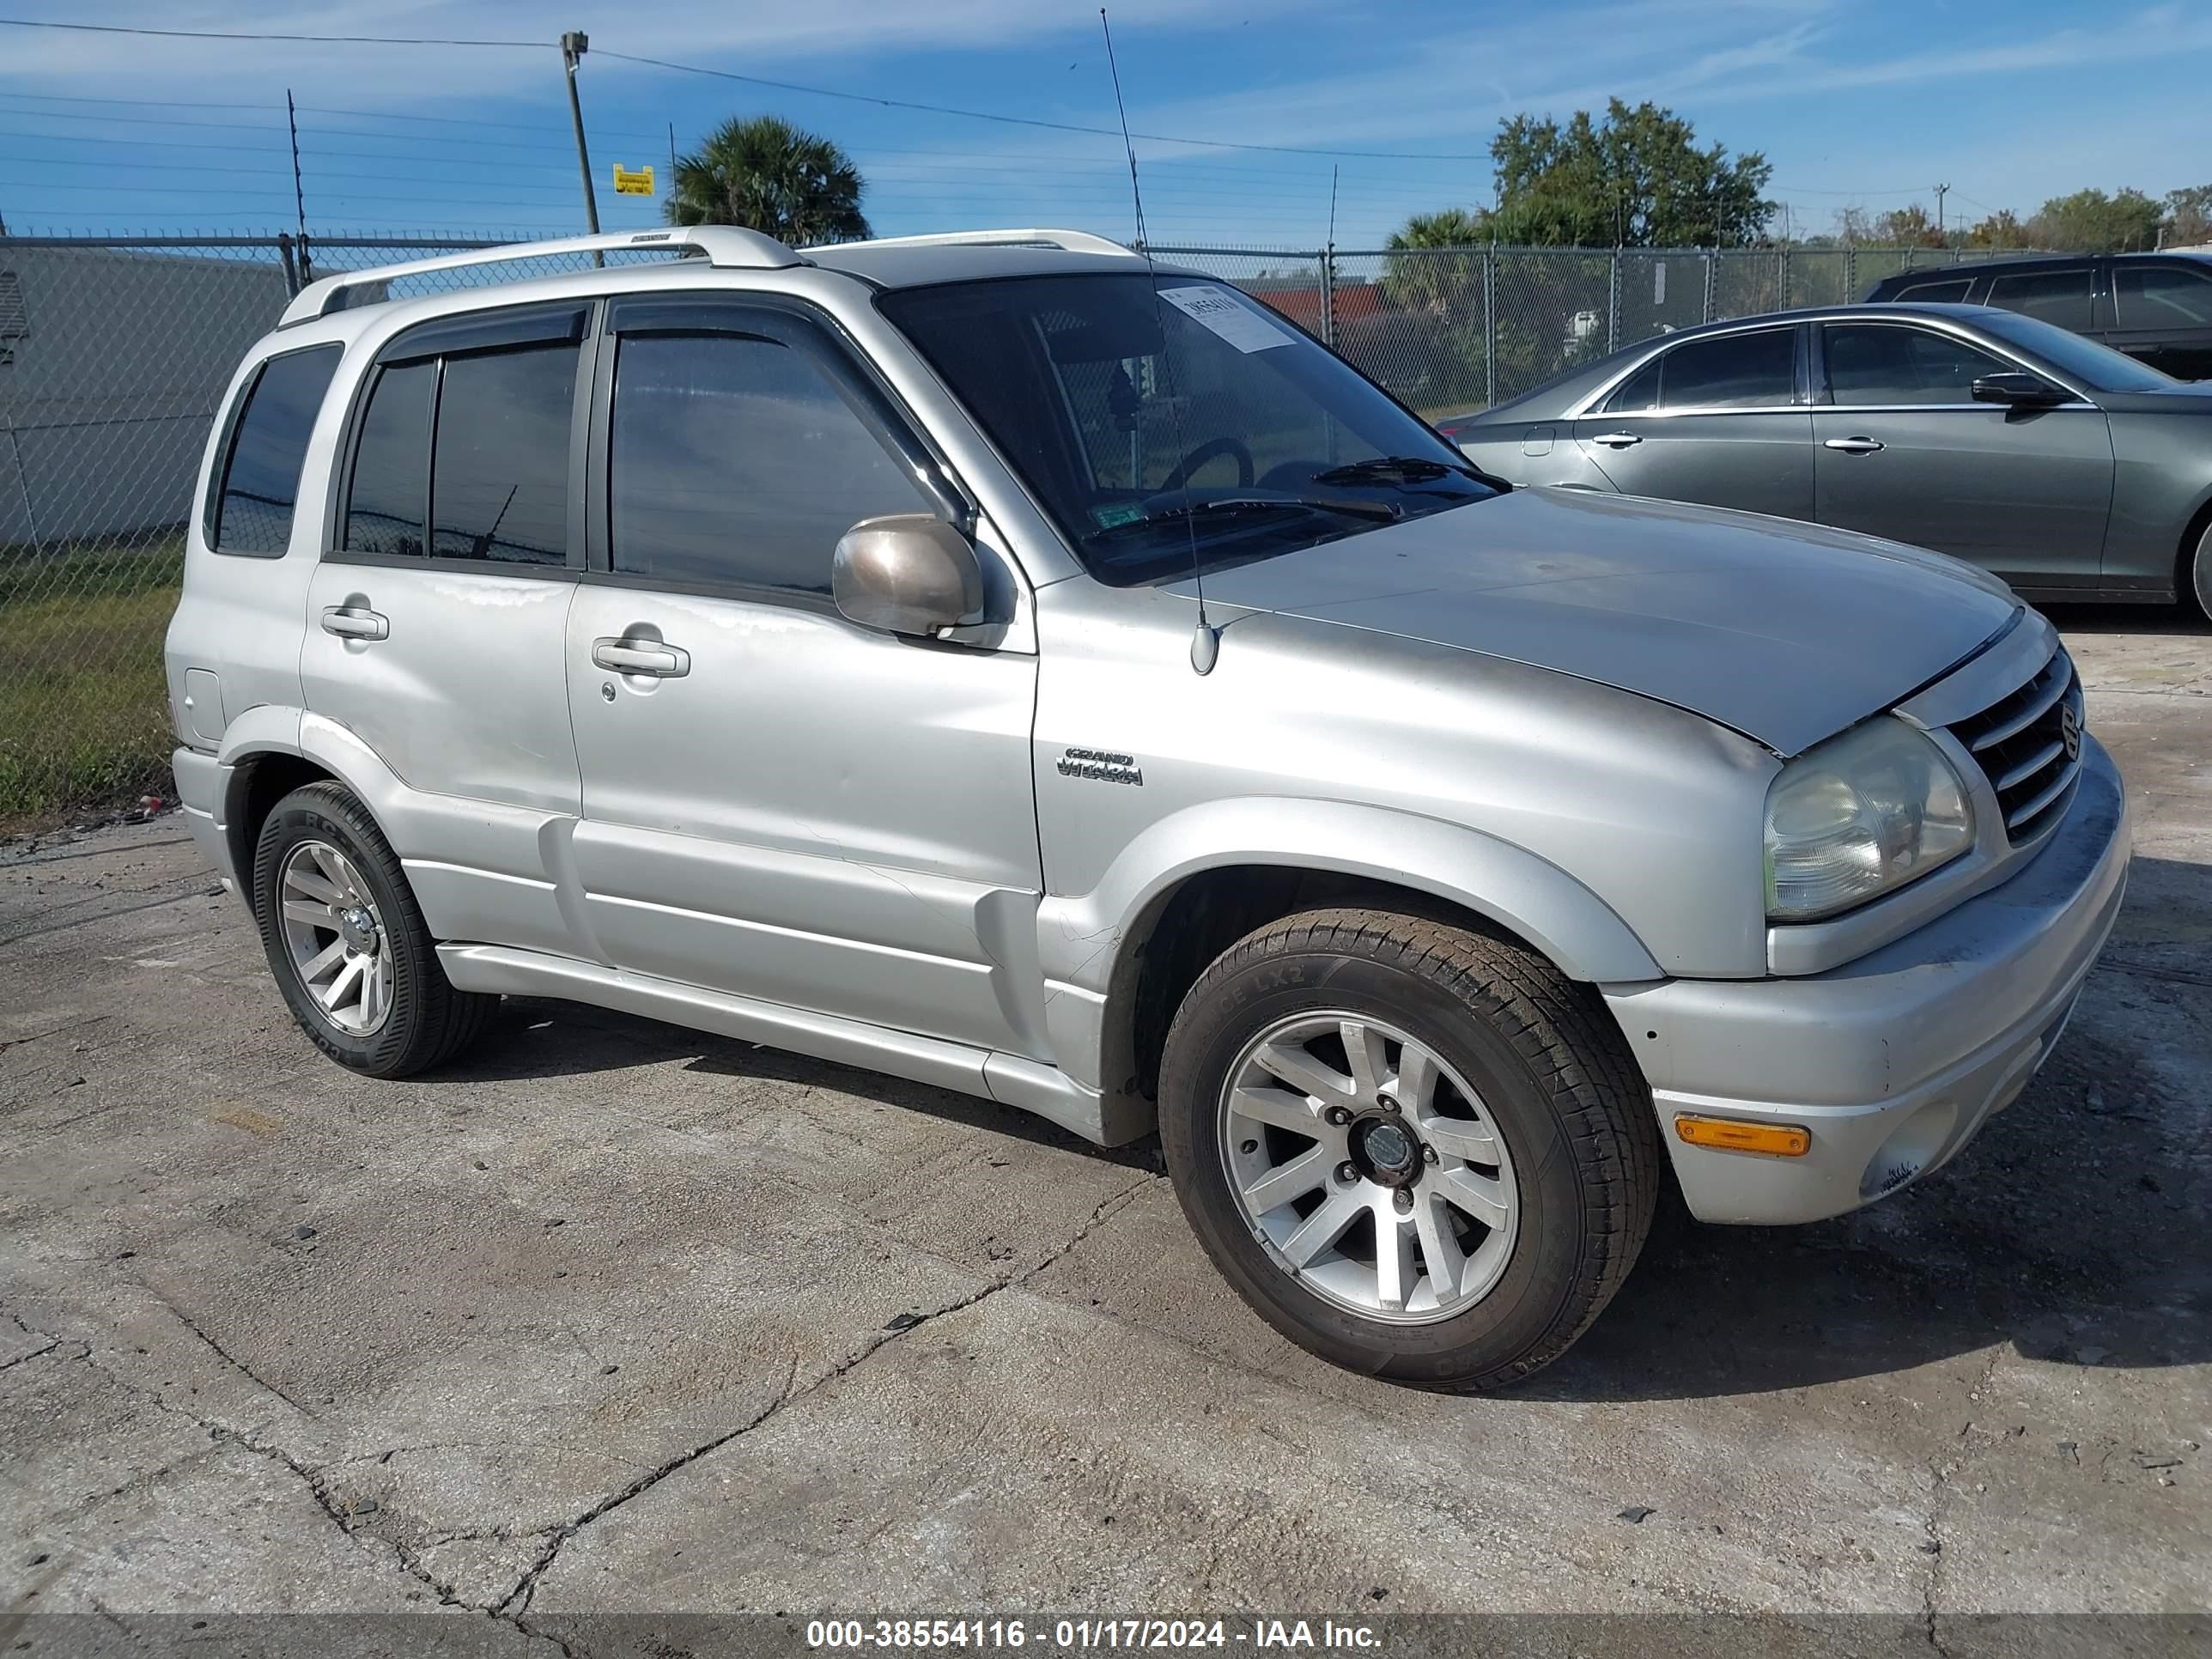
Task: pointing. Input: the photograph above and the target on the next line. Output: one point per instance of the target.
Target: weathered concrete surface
(618, 1316)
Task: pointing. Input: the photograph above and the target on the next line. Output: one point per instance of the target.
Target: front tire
(1416, 1151)
(347, 942)
(2200, 574)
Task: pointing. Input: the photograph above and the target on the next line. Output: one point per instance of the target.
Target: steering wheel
(1204, 452)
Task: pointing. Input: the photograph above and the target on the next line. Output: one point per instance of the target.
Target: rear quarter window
(257, 483)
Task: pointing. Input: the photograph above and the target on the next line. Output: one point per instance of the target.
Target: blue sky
(1869, 102)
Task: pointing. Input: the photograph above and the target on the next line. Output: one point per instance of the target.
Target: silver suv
(993, 660)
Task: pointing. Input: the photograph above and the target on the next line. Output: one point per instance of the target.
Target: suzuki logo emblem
(2069, 731)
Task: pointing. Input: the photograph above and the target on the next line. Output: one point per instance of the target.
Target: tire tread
(431, 1020)
(1570, 1044)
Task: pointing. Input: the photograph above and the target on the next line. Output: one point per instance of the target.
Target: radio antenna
(1206, 638)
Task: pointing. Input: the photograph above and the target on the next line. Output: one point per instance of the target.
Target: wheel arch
(2193, 539)
(1198, 881)
(268, 752)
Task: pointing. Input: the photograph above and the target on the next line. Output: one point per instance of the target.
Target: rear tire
(347, 942)
(1533, 1177)
(2200, 574)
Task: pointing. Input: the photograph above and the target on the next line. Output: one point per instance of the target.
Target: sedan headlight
(1859, 816)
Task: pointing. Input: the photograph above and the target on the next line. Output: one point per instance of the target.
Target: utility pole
(1940, 191)
(574, 44)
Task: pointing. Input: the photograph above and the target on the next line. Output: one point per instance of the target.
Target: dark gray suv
(2157, 307)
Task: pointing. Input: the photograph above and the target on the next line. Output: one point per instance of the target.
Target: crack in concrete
(1943, 1473)
(513, 1608)
(517, 1601)
(52, 1344)
(229, 1358)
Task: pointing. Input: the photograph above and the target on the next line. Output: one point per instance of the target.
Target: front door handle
(1617, 440)
(640, 656)
(354, 621)
(1854, 446)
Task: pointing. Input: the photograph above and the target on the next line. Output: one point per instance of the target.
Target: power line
(1027, 121)
(749, 79)
(244, 34)
(131, 103)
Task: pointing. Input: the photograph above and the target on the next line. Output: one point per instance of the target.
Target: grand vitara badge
(2069, 730)
(1102, 765)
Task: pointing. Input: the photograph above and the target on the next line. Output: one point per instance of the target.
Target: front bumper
(1895, 1062)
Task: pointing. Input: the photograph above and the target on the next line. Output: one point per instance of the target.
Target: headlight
(1859, 816)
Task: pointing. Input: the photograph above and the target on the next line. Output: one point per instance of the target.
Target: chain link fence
(114, 353)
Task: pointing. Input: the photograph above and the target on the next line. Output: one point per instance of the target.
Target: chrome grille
(2028, 744)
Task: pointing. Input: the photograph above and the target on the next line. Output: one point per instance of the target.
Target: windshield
(1145, 425)
(2097, 366)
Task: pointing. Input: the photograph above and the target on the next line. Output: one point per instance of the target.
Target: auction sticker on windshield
(1235, 320)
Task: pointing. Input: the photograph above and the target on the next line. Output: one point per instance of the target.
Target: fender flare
(273, 729)
(1083, 937)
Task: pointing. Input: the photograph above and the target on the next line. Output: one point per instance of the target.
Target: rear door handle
(1617, 440)
(353, 621)
(1854, 446)
(636, 656)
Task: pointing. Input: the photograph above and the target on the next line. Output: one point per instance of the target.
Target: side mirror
(2018, 389)
(906, 573)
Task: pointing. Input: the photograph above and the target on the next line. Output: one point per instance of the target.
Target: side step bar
(1011, 1080)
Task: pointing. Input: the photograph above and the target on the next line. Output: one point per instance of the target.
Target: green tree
(1638, 179)
(2189, 215)
(765, 173)
(1907, 227)
(2090, 222)
(2001, 229)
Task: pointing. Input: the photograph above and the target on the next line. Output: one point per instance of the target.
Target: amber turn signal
(1776, 1140)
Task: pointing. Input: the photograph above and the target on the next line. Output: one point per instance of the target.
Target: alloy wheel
(1367, 1167)
(335, 938)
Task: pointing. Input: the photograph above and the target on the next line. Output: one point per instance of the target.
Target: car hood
(1786, 632)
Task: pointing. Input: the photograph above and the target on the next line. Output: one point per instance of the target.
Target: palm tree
(1445, 228)
(763, 172)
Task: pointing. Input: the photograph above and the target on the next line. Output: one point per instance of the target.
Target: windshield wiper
(1231, 505)
(1384, 469)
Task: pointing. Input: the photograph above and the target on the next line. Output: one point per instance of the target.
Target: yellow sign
(630, 181)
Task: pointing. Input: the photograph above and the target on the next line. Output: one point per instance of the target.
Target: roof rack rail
(725, 246)
(1073, 241)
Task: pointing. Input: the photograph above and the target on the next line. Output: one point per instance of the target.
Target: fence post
(1327, 258)
(24, 485)
(1489, 325)
(1850, 274)
(291, 266)
(1613, 304)
(1782, 277)
(1711, 259)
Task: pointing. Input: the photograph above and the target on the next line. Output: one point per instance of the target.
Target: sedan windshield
(1152, 423)
(2097, 366)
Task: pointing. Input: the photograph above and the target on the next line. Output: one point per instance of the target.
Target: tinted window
(261, 478)
(734, 459)
(1639, 392)
(2083, 361)
(1871, 364)
(2055, 296)
(2170, 296)
(392, 465)
(1949, 290)
(1735, 371)
(499, 475)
